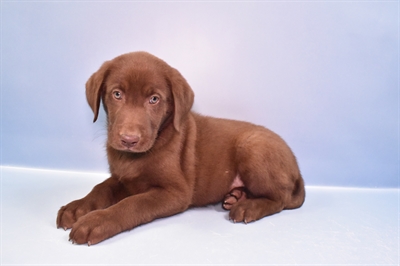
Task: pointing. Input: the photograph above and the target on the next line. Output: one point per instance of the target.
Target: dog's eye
(154, 99)
(117, 94)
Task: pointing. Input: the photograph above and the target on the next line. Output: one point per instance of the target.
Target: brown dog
(164, 158)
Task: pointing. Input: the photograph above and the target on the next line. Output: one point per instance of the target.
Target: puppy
(163, 158)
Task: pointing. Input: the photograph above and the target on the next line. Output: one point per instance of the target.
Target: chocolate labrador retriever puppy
(163, 158)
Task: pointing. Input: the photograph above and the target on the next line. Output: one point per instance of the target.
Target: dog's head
(142, 95)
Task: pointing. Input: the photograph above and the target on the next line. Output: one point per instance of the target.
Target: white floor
(334, 226)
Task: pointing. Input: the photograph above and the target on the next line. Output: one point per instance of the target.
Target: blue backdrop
(323, 75)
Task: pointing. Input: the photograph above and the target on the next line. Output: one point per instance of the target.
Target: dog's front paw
(69, 214)
(94, 227)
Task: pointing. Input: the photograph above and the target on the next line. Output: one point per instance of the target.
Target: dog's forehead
(137, 76)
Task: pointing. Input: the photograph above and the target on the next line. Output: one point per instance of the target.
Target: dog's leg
(102, 196)
(130, 212)
(244, 207)
(270, 175)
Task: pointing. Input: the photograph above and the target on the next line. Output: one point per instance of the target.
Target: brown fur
(164, 158)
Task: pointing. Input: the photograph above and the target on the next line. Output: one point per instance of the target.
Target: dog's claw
(88, 243)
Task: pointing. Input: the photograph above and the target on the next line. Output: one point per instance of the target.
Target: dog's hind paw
(234, 196)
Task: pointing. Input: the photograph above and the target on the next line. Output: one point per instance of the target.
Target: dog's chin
(138, 148)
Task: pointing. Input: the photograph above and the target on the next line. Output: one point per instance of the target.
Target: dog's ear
(183, 97)
(94, 87)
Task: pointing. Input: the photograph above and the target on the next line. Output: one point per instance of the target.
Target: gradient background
(323, 75)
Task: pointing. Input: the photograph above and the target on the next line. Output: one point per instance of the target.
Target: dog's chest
(126, 166)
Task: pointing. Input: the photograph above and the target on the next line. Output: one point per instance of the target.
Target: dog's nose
(129, 140)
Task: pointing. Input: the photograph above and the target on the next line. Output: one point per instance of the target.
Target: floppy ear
(183, 97)
(94, 89)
